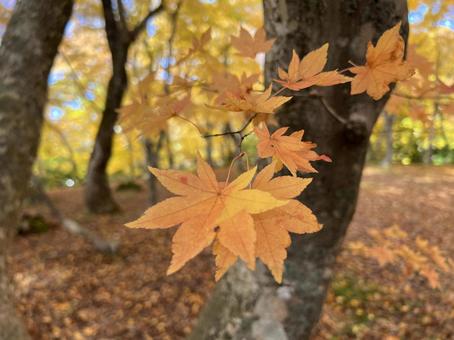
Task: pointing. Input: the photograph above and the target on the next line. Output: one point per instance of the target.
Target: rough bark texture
(28, 49)
(98, 196)
(251, 306)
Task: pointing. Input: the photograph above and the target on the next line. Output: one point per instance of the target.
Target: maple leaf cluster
(251, 217)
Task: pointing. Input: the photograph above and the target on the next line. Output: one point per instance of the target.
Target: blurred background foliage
(417, 126)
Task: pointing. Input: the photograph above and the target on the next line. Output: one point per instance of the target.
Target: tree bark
(27, 52)
(98, 196)
(152, 159)
(248, 305)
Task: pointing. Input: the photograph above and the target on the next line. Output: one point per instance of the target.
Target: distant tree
(98, 196)
(27, 52)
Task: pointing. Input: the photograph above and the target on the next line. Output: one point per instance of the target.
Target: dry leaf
(308, 72)
(202, 204)
(295, 154)
(384, 65)
(273, 226)
(249, 46)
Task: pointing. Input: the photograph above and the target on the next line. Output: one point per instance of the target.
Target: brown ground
(68, 290)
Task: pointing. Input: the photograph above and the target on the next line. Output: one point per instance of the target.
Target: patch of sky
(55, 76)
(208, 1)
(151, 28)
(8, 4)
(55, 113)
(166, 76)
(90, 95)
(167, 61)
(74, 104)
(436, 7)
(417, 16)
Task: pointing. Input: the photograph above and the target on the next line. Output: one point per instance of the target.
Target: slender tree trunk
(389, 122)
(98, 196)
(248, 305)
(152, 157)
(27, 52)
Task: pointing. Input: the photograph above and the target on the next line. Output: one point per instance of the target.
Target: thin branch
(237, 132)
(141, 26)
(79, 84)
(122, 15)
(328, 107)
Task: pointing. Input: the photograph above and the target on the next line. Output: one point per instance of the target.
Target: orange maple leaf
(384, 65)
(202, 204)
(308, 71)
(149, 119)
(273, 226)
(229, 85)
(252, 103)
(249, 45)
(295, 154)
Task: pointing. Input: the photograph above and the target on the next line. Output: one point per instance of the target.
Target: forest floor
(68, 290)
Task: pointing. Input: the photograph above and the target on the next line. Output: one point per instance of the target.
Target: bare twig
(141, 26)
(328, 107)
(122, 15)
(237, 132)
(79, 84)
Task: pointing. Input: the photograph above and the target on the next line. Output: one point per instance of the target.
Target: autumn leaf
(384, 65)
(224, 259)
(150, 119)
(273, 226)
(202, 204)
(295, 154)
(308, 71)
(249, 45)
(228, 85)
(253, 103)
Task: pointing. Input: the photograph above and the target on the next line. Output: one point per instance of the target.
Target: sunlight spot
(70, 182)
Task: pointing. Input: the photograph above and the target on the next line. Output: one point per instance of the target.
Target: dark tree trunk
(98, 196)
(27, 52)
(249, 305)
(152, 158)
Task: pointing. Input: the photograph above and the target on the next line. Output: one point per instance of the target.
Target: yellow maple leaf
(202, 204)
(295, 154)
(273, 226)
(308, 71)
(249, 45)
(384, 65)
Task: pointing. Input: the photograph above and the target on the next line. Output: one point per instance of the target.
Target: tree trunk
(250, 305)
(27, 52)
(152, 158)
(98, 196)
(389, 122)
